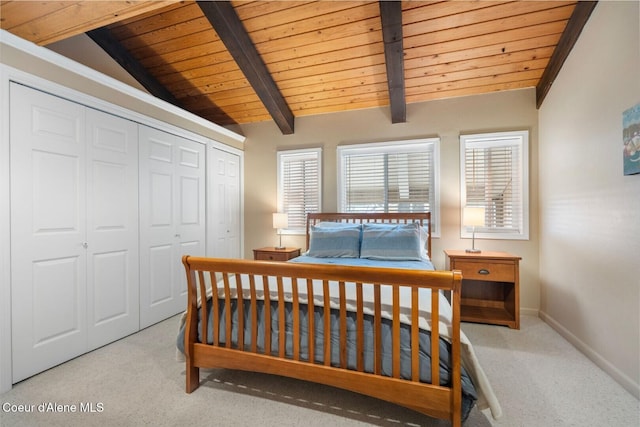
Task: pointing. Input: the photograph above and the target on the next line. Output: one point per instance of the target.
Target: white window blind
(299, 186)
(389, 177)
(495, 176)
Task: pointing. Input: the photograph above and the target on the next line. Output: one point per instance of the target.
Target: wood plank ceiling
(250, 61)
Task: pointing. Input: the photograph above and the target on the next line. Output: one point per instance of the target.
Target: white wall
(589, 211)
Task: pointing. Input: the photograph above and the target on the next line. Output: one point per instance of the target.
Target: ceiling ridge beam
(227, 24)
(391, 16)
(568, 39)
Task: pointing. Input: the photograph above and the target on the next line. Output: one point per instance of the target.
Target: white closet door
(112, 214)
(190, 210)
(171, 220)
(48, 231)
(223, 204)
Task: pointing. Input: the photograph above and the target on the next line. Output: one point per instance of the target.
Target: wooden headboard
(423, 218)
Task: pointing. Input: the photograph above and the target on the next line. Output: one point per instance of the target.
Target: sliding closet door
(112, 215)
(171, 219)
(48, 231)
(223, 213)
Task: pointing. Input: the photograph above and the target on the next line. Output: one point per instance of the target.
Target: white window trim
(397, 146)
(280, 202)
(488, 138)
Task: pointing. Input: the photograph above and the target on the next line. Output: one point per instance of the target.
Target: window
(399, 176)
(494, 169)
(299, 186)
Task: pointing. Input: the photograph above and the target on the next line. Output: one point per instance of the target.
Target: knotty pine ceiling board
(483, 47)
(180, 49)
(45, 22)
(323, 56)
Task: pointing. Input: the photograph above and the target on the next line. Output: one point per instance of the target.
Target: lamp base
(280, 248)
(473, 251)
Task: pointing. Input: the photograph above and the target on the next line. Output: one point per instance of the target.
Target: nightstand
(490, 286)
(273, 254)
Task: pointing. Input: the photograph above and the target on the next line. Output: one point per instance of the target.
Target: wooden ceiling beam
(104, 39)
(391, 16)
(568, 39)
(228, 25)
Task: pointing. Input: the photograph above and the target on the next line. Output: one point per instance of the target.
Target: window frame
(287, 155)
(401, 146)
(498, 139)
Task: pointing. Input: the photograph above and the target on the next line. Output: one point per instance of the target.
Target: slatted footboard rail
(431, 399)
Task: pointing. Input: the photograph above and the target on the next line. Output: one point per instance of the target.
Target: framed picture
(631, 140)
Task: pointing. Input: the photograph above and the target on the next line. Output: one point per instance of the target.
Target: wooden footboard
(434, 400)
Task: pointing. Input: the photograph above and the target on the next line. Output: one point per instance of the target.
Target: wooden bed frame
(433, 400)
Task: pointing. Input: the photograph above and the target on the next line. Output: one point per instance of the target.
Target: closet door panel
(48, 231)
(111, 292)
(112, 206)
(190, 210)
(52, 278)
(157, 225)
(172, 203)
(190, 182)
(224, 204)
(56, 186)
(232, 206)
(161, 273)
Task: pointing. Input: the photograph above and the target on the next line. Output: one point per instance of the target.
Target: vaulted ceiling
(247, 61)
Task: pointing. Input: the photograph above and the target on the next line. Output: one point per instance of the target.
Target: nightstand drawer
(494, 271)
(272, 256)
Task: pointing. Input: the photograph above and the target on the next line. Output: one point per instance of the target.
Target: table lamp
(473, 217)
(280, 221)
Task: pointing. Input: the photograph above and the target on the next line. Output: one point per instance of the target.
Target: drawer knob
(483, 271)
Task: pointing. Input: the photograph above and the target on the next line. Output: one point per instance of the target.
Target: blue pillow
(339, 242)
(391, 242)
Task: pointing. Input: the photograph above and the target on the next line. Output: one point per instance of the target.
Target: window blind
(299, 186)
(388, 177)
(493, 178)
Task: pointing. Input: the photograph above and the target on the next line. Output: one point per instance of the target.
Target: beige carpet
(540, 379)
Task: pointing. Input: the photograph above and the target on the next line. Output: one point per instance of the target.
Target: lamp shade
(280, 220)
(473, 216)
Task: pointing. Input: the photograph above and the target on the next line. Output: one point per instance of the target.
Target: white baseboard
(626, 382)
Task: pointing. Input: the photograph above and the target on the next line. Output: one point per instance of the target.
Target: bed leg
(193, 378)
(457, 419)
